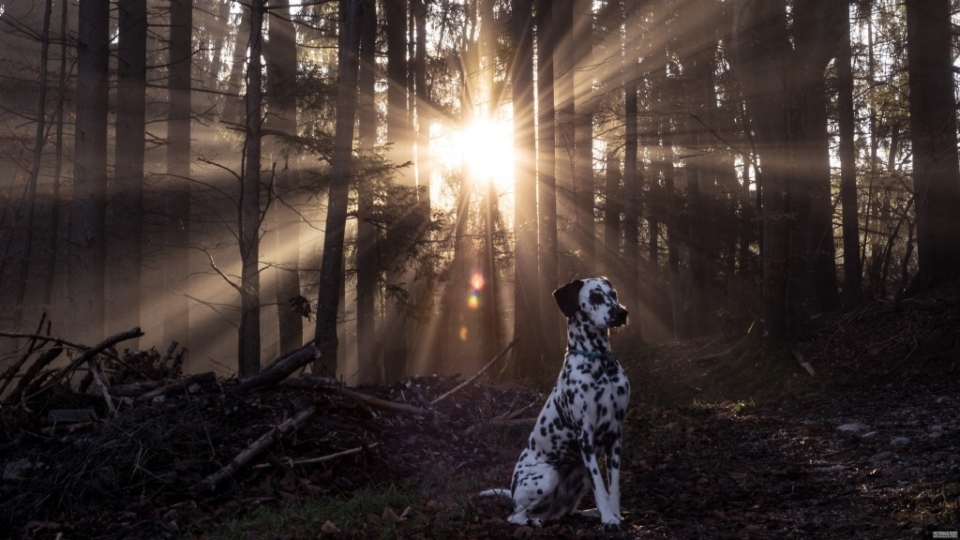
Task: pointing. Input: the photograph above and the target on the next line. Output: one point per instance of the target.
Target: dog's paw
(612, 526)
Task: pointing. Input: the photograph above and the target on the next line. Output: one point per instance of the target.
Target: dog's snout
(619, 315)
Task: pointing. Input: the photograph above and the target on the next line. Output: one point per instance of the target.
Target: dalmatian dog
(581, 420)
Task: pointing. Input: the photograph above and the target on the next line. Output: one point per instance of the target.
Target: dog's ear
(568, 297)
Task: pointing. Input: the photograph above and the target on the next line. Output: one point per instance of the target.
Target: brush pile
(125, 445)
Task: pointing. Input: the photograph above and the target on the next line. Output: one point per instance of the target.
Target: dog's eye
(596, 298)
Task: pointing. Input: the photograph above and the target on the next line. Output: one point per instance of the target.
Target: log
(98, 378)
(135, 388)
(210, 483)
(167, 353)
(483, 369)
(279, 369)
(384, 404)
(179, 386)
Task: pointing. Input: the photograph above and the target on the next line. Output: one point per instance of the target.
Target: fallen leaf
(329, 528)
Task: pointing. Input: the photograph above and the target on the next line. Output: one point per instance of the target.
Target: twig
(49, 356)
(98, 378)
(15, 368)
(483, 369)
(211, 482)
(333, 456)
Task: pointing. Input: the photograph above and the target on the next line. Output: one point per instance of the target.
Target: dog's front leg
(613, 468)
(588, 453)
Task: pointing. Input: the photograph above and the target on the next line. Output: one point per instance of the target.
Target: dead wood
(15, 368)
(98, 378)
(43, 361)
(331, 457)
(482, 370)
(167, 353)
(384, 404)
(135, 388)
(279, 369)
(211, 482)
(90, 353)
(179, 386)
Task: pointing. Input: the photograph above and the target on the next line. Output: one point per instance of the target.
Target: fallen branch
(43, 361)
(9, 374)
(98, 378)
(482, 370)
(331, 457)
(167, 353)
(88, 354)
(279, 369)
(384, 404)
(179, 386)
(211, 482)
(501, 423)
(135, 388)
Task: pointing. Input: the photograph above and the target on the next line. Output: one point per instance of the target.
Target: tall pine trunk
(933, 130)
(852, 268)
(88, 213)
(176, 323)
(331, 268)
(248, 343)
(131, 142)
(527, 304)
(367, 260)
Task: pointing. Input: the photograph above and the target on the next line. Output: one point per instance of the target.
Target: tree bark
(176, 323)
(367, 262)
(248, 343)
(331, 268)
(88, 216)
(553, 330)
(527, 304)
(282, 81)
(129, 160)
(584, 176)
(933, 130)
(852, 266)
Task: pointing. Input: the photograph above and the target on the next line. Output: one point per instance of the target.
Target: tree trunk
(131, 142)
(527, 304)
(583, 176)
(367, 262)
(565, 152)
(88, 216)
(331, 268)
(58, 164)
(395, 332)
(933, 127)
(631, 175)
(852, 269)
(34, 169)
(553, 331)
(176, 323)
(282, 81)
(248, 345)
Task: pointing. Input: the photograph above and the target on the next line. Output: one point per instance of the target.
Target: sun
(486, 148)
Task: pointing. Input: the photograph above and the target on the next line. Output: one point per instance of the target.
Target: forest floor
(722, 441)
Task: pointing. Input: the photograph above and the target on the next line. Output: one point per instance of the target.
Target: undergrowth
(435, 504)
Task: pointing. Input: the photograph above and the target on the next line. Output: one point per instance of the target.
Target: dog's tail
(496, 492)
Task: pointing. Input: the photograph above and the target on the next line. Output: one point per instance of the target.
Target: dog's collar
(592, 355)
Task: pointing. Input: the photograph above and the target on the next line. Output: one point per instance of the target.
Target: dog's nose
(619, 316)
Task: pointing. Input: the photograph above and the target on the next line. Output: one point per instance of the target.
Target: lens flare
(463, 333)
(476, 281)
(474, 301)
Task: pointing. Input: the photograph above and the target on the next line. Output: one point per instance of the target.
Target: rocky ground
(718, 445)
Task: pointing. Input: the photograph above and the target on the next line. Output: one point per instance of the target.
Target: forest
(386, 192)
(178, 167)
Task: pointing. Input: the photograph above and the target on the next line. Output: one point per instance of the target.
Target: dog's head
(595, 299)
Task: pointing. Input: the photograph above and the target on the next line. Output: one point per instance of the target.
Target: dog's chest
(594, 391)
